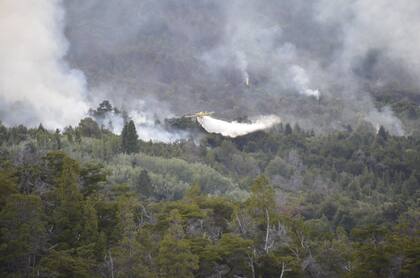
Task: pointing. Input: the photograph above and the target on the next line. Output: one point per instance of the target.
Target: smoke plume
(237, 58)
(235, 129)
(301, 82)
(36, 85)
(247, 58)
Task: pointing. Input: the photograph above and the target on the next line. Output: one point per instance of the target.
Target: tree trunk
(282, 270)
(240, 224)
(251, 264)
(111, 264)
(267, 234)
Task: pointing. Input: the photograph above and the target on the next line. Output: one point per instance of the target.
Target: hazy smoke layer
(247, 58)
(149, 130)
(150, 126)
(35, 84)
(310, 62)
(235, 129)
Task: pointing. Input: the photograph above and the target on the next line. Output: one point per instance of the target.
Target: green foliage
(172, 176)
(3, 134)
(8, 185)
(88, 128)
(23, 234)
(175, 258)
(262, 196)
(344, 204)
(144, 184)
(92, 177)
(68, 263)
(129, 137)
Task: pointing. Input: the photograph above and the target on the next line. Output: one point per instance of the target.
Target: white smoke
(385, 118)
(149, 130)
(243, 66)
(301, 82)
(36, 85)
(112, 121)
(253, 44)
(386, 25)
(235, 129)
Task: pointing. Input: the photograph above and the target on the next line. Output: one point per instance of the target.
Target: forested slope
(281, 203)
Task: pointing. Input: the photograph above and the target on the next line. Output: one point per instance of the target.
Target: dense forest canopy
(85, 202)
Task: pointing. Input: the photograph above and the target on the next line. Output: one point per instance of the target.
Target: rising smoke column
(301, 82)
(235, 129)
(36, 85)
(243, 66)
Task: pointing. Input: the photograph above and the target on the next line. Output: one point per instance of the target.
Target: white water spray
(235, 129)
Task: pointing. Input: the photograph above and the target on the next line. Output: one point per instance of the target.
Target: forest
(210, 138)
(286, 202)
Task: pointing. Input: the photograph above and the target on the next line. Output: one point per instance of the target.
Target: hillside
(281, 201)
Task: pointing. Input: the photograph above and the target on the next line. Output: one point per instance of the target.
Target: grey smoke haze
(149, 121)
(200, 55)
(36, 85)
(185, 56)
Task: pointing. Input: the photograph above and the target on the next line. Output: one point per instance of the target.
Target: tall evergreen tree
(129, 138)
(382, 135)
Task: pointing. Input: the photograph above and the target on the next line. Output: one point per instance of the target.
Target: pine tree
(129, 138)
(381, 136)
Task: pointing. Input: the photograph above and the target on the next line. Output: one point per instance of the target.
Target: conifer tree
(129, 138)
(382, 135)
